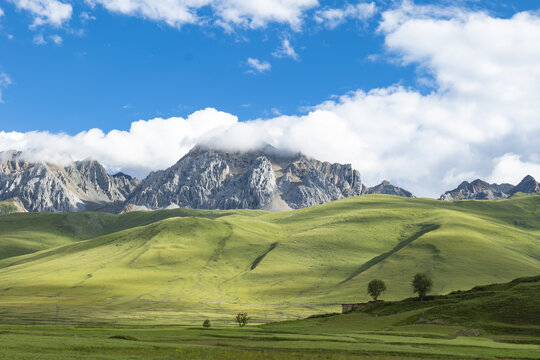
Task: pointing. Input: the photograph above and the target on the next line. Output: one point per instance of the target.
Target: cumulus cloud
(51, 12)
(480, 121)
(147, 145)
(229, 13)
(511, 168)
(333, 17)
(5, 81)
(258, 66)
(286, 50)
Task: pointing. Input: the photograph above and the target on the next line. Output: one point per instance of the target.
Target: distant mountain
(262, 179)
(527, 186)
(38, 186)
(205, 178)
(477, 190)
(386, 188)
(481, 190)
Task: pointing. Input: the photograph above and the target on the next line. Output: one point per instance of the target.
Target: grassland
(184, 265)
(495, 321)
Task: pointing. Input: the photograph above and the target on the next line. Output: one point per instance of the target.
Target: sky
(425, 94)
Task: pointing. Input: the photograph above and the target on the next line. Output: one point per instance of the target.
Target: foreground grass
(192, 342)
(491, 321)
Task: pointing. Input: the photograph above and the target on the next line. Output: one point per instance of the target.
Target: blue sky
(118, 68)
(388, 86)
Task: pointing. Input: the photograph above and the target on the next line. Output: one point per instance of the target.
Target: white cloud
(5, 81)
(52, 12)
(480, 121)
(228, 13)
(57, 39)
(39, 39)
(510, 168)
(258, 66)
(333, 17)
(286, 50)
(255, 14)
(1, 12)
(148, 145)
(86, 16)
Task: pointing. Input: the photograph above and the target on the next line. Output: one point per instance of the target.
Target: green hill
(507, 308)
(184, 264)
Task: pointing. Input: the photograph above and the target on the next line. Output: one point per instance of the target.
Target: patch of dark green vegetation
(261, 257)
(123, 337)
(322, 316)
(423, 229)
(511, 307)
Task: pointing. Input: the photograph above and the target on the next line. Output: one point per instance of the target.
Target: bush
(421, 284)
(206, 323)
(376, 288)
(242, 319)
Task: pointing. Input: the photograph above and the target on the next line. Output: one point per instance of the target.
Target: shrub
(242, 319)
(206, 323)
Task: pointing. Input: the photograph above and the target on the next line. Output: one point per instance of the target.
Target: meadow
(69, 281)
(496, 321)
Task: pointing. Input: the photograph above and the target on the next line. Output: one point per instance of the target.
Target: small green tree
(421, 284)
(206, 323)
(375, 288)
(242, 319)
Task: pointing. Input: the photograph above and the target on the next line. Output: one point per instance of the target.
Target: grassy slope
(498, 308)
(494, 321)
(206, 263)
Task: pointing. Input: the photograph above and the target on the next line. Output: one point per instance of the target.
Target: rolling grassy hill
(500, 310)
(188, 264)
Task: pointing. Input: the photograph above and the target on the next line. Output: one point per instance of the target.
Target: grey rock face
(38, 189)
(528, 186)
(478, 190)
(11, 162)
(262, 179)
(49, 188)
(386, 188)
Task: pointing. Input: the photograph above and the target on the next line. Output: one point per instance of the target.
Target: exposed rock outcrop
(388, 189)
(39, 186)
(478, 190)
(527, 186)
(262, 179)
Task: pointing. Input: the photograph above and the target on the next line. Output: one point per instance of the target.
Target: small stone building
(345, 308)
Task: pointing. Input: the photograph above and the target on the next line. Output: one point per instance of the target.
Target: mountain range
(481, 190)
(45, 187)
(205, 178)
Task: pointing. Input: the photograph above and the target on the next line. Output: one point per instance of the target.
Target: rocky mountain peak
(477, 190)
(81, 185)
(263, 178)
(385, 187)
(527, 186)
(11, 162)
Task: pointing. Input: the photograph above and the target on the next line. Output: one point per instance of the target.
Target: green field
(70, 281)
(496, 321)
(184, 265)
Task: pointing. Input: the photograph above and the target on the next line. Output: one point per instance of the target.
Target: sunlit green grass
(192, 263)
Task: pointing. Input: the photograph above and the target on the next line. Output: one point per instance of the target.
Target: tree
(242, 319)
(206, 323)
(421, 284)
(375, 288)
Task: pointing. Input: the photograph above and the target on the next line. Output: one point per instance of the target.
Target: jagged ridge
(38, 186)
(262, 179)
